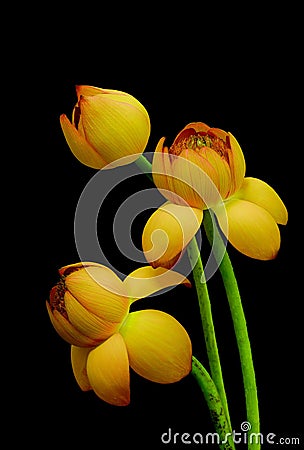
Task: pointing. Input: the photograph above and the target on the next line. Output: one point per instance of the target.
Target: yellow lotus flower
(204, 168)
(90, 309)
(107, 125)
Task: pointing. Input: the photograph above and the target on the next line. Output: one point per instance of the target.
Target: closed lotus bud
(107, 127)
(88, 304)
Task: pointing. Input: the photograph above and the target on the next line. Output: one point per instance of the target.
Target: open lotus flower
(107, 125)
(204, 168)
(90, 309)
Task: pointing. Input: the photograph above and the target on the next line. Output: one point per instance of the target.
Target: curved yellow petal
(162, 172)
(100, 291)
(251, 229)
(79, 356)
(108, 94)
(159, 347)
(84, 89)
(86, 322)
(161, 165)
(116, 125)
(146, 280)
(237, 164)
(67, 331)
(167, 233)
(220, 167)
(176, 185)
(83, 151)
(108, 371)
(199, 182)
(258, 192)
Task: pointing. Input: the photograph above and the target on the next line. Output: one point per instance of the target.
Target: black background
(229, 75)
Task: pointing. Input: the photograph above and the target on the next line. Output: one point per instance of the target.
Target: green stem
(213, 400)
(145, 166)
(207, 321)
(240, 328)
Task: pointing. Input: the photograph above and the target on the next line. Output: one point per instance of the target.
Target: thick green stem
(207, 321)
(213, 400)
(240, 328)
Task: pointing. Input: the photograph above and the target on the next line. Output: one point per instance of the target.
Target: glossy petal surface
(108, 371)
(86, 322)
(237, 164)
(100, 291)
(258, 192)
(79, 356)
(168, 231)
(114, 126)
(81, 149)
(251, 229)
(198, 181)
(159, 347)
(161, 165)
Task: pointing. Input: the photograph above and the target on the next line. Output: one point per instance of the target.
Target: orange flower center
(198, 142)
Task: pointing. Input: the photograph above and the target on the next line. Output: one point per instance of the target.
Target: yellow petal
(176, 185)
(83, 151)
(258, 192)
(251, 229)
(100, 291)
(161, 165)
(83, 89)
(86, 322)
(67, 331)
(109, 94)
(115, 125)
(197, 180)
(161, 170)
(159, 347)
(146, 280)
(237, 164)
(79, 356)
(108, 371)
(222, 170)
(167, 233)
(64, 271)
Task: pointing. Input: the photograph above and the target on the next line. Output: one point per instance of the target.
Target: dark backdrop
(237, 84)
